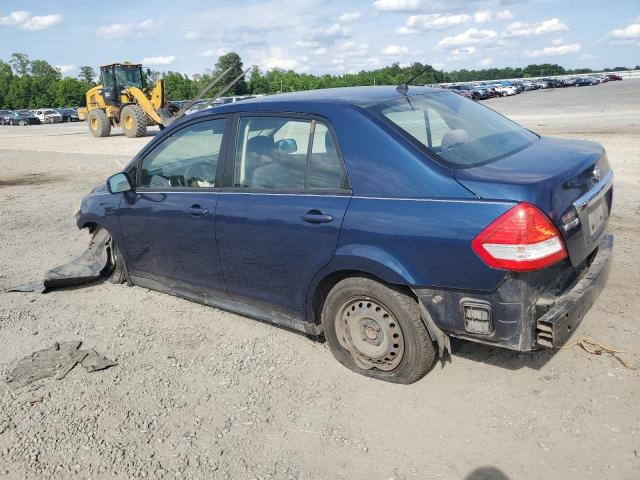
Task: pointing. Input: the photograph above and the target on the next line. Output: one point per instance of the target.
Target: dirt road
(202, 393)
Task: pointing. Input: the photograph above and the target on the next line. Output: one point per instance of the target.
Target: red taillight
(521, 239)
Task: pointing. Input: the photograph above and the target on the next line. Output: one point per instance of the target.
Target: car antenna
(403, 88)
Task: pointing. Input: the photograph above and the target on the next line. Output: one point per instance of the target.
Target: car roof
(358, 96)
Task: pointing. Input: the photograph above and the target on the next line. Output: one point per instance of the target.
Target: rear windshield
(460, 132)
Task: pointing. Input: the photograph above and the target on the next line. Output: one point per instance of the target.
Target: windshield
(460, 132)
(128, 76)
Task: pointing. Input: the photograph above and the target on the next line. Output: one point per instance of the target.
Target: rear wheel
(99, 123)
(22, 123)
(133, 121)
(376, 330)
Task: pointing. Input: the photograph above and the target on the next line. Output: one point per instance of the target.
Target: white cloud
(398, 5)
(461, 53)
(395, 50)
(349, 16)
(321, 51)
(432, 21)
(522, 29)
(335, 30)
(468, 37)
(504, 15)
(213, 52)
(23, 20)
(437, 65)
(482, 16)
(278, 58)
(631, 32)
(14, 18)
(307, 44)
(485, 62)
(122, 30)
(588, 56)
(159, 61)
(555, 49)
(41, 22)
(65, 68)
(192, 35)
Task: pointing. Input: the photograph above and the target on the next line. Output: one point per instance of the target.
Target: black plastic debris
(56, 361)
(86, 268)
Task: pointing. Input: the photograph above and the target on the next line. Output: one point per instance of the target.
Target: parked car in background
(552, 82)
(23, 117)
(477, 93)
(569, 82)
(503, 90)
(614, 77)
(68, 114)
(463, 93)
(47, 115)
(384, 222)
(4, 116)
(586, 81)
(519, 85)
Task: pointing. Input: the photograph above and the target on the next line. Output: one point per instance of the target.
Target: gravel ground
(203, 393)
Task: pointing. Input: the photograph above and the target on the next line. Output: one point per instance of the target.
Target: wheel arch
(386, 272)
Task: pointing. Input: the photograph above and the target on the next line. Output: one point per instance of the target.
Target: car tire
(99, 123)
(376, 330)
(22, 123)
(133, 121)
(118, 273)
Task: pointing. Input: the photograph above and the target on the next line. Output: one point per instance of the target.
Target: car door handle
(197, 210)
(316, 216)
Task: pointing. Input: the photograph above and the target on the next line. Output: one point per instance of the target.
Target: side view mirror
(119, 183)
(287, 145)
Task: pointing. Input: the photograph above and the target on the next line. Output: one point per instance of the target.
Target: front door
(278, 223)
(167, 223)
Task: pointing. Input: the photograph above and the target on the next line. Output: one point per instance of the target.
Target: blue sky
(323, 36)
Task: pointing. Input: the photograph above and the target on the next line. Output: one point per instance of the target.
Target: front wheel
(133, 121)
(99, 123)
(22, 123)
(376, 330)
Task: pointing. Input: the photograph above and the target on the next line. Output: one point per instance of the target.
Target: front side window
(128, 76)
(460, 132)
(286, 153)
(186, 159)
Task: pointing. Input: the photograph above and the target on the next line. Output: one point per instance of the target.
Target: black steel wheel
(376, 330)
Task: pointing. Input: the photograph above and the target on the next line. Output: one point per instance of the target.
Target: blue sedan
(383, 220)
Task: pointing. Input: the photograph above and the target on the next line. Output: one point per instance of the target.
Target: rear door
(278, 221)
(167, 223)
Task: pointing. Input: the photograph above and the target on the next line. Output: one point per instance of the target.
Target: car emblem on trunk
(596, 174)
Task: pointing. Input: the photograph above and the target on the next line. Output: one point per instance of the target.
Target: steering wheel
(200, 171)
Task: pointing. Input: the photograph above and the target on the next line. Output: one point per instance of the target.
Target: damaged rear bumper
(562, 317)
(521, 314)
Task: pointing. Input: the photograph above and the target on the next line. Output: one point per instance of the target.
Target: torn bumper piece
(563, 316)
(86, 268)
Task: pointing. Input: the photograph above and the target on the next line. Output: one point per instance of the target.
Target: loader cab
(117, 77)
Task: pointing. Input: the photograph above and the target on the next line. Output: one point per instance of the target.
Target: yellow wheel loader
(124, 101)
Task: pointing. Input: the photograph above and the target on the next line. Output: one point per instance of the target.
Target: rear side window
(460, 132)
(286, 153)
(186, 159)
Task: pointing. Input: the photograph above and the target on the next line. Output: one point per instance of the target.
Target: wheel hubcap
(370, 333)
(94, 123)
(128, 121)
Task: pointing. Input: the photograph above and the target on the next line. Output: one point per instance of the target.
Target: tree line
(26, 83)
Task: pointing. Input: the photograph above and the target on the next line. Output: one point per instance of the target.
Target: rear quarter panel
(419, 242)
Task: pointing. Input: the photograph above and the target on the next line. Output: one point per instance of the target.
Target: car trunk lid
(570, 180)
